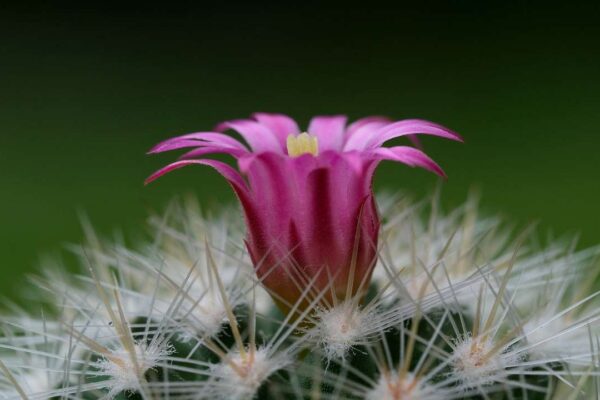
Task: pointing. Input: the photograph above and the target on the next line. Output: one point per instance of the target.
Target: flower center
(302, 144)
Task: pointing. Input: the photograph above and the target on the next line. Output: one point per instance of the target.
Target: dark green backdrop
(85, 92)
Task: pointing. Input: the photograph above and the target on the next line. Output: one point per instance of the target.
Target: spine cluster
(459, 306)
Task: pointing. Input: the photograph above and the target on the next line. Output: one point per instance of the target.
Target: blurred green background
(84, 93)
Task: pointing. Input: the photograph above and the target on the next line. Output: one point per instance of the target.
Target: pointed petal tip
(458, 137)
(432, 166)
(158, 174)
(452, 135)
(168, 144)
(163, 146)
(155, 149)
(166, 169)
(150, 179)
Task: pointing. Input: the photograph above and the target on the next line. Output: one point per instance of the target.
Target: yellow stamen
(302, 144)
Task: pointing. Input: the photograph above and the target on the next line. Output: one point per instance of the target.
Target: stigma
(302, 144)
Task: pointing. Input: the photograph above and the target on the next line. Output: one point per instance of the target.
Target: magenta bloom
(307, 197)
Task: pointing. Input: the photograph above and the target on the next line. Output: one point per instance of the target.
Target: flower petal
(258, 136)
(410, 127)
(175, 144)
(329, 130)
(409, 156)
(201, 151)
(361, 131)
(360, 123)
(199, 138)
(229, 173)
(281, 125)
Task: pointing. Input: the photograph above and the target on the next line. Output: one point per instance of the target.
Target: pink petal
(409, 156)
(329, 130)
(306, 211)
(307, 161)
(409, 127)
(281, 125)
(258, 136)
(360, 123)
(229, 173)
(362, 131)
(200, 138)
(235, 180)
(271, 182)
(197, 139)
(213, 150)
(175, 144)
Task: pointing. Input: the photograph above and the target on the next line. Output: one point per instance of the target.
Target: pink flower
(307, 197)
